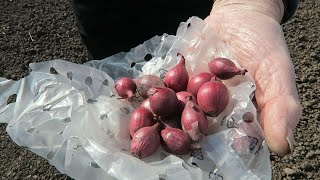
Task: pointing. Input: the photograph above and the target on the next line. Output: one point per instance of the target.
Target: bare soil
(40, 30)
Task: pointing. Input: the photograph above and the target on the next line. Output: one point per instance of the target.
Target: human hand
(251, 31)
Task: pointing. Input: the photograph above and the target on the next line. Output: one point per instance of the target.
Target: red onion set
(174, 112)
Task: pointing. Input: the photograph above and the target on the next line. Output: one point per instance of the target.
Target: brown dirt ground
(39, 30)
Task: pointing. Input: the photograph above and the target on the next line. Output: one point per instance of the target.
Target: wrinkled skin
(252, 33)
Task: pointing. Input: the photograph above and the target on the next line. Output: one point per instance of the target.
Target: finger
(279, 118)
(278, 100)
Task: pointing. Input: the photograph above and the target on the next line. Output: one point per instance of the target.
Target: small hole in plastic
(188, 25)
(148, 57)
(108, 132)
(53, 70)
(88, 81)
(76, 147)
(248, 117)
(30, 130)
(94, 164)
(91, 101)
(69, 75)
(105, 82)
(195, 164)
(103, 116)
(132, 64)
(12, 99)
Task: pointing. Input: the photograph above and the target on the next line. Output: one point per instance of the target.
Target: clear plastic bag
(72, 117)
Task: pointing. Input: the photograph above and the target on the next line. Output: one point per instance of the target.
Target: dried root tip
(243, 72)
(189, 98)
(182, 58)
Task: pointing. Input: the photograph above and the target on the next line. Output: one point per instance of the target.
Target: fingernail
(290, 139)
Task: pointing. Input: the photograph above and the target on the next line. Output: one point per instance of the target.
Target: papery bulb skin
(184, 97)
(146, 82)
(197, 81)
(177, 78)
(145, 141)
(163, 101)
(224, 68)
(175, 141)
(126, 88)
(194, 121)
(213, 97)
(140, 118)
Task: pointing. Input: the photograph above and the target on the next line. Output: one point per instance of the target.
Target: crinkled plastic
(70, 114)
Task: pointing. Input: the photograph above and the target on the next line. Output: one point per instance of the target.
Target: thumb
(279, 118)
(278, 100)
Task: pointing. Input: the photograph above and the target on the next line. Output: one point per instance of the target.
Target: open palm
(256, 40)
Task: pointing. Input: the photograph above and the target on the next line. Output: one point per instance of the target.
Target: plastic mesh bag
(70, 115)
